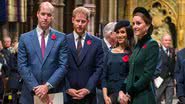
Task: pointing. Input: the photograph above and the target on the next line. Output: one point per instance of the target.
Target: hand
(83, 92)
(123, 98)
(107, 100)
(73, 92)
(41, 90)
(46, 99)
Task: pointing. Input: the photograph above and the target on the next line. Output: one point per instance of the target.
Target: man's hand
(73, 92)
(41, 90)
(46, 99)
(82, 93)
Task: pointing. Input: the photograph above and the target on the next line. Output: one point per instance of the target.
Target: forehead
(167, 37)
(7, 39)
(46, 9)
(80, 16)
(137, 18)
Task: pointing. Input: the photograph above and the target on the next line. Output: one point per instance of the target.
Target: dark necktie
(43, 44)
(167, 50)
(79, 45)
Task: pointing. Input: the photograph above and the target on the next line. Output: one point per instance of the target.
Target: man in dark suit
(181, 83)
(180, 58)
(109, 40)
(166, 67)
(42, 58)
(85, 58)
(179, 73)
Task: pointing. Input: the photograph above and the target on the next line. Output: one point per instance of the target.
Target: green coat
(142, 65)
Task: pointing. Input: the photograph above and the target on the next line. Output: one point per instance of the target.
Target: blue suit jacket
(85, 71)
(36, 71)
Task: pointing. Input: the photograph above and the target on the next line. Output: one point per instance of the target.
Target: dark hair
(144, 14)
(120, 24)
(130, 34)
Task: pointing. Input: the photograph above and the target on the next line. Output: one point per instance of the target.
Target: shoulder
(94, 38)
(152, 44)
(182, 51)
(57, 33)
(27, 34)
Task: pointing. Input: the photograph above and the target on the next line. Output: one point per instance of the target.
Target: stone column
(104, 11)
(92, 7)
(181, 24)
(58, 15)
(112, 10)
(132, 4)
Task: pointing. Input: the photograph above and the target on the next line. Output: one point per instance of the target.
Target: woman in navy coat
(116, 65)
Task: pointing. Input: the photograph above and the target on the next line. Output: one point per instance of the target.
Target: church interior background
(19, 16)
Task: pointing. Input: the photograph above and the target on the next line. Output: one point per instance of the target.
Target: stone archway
(164, 18)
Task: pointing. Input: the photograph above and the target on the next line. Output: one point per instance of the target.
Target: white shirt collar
(76, 36)
(164, 48)
(107, 43)
(39, 31)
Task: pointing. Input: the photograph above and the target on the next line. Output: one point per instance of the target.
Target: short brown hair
(82, 10)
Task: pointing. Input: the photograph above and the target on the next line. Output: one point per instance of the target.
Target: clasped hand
(78, 94)
(41, 91)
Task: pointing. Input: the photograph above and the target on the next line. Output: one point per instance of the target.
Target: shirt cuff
(49, 85)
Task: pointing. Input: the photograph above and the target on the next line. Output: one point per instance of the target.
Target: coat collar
(143, 40)
(36, 45)
(87, 44)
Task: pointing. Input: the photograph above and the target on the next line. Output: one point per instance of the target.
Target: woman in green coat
(143, 60)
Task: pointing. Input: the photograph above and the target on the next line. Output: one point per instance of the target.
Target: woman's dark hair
(130, 34)
(144, 14)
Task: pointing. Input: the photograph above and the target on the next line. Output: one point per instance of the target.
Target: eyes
(46, 14)
(121, 31)
(82, 21)
(136, 23)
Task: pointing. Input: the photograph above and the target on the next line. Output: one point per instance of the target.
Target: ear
(87, 20)
(73, 19)
(37, 14)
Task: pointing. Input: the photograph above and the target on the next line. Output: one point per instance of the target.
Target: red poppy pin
(89, 42)
(125, 58)
(144, 46)
(53, 36)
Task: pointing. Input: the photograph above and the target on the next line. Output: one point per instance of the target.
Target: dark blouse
(115, 71)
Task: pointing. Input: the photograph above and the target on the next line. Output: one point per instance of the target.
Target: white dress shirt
(39, 32)
(76, 38)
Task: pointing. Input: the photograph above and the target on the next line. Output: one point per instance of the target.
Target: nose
(134, 26)
(80, 23)
(45, 16)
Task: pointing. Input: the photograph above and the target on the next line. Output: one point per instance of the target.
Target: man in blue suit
(42, 58)
(85, 58)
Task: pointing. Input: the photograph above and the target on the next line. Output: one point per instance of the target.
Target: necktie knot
(79, 37)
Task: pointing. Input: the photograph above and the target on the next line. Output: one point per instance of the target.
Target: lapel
(50, 44)
(73, 47)
(35, 43)
(87, 44)
(136, 51)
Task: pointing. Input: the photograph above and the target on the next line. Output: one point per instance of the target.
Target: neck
(121, 46)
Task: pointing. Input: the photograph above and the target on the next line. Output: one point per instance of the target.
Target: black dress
(115, 71)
